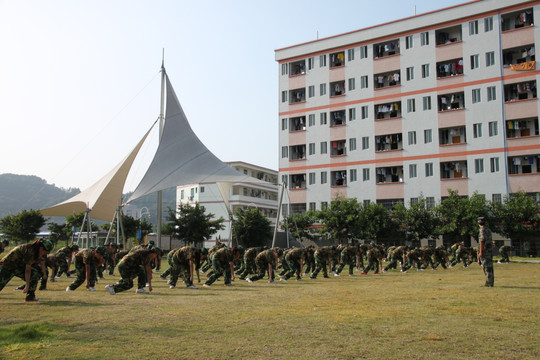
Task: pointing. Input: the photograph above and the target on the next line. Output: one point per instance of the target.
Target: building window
(324, 147)
(284, 152)
(365, 174)
(324, 177)
(352, 144)
(412, 171)
(312, 206)
(414, 200)
(473, 27)
(311, 91)
(365, 142)
(475, 96)
(496, 198)
(311, 148)
(181, 194)
(411, 105)
(352, 175)
(488, 24)
(412, 137)
(311, 178)
(364, 82)
(284, 96)
(410, 73)
(323, 89)
(311, 119)
(493, 128)
(425, 71)
(477, 130)
(490, 58)
(324, 205)
(429, 169)
(364, 112)
(284, 123)
(322, 60)
(491, 93)
(426, 100)
(352, 84)
(363, 52)
(474, 62)
(408, 42)
(350, 55)
(284, 69)
(323, 119)
(430, 202)
(352, 114)
(424, 38)
(478, 166)
(428, 136)
(311, 63)
(494, 164)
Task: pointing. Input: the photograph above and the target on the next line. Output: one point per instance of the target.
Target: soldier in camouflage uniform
(416, 257)
(389, 253)
(211, 252)
(335, 258)
(485, 252)
(223, 264)
(506, 252)
(349, 256)
(323, 256)
(266, 260)
(64, 266)
(86, 263)
(462, 255)
(398, 254)
(136, 264)
(295, 259)
(3, 245)
(440, 256)
(21, 261)
(283, 262)
(52, 261)
(250, 267)
(375, 255)
(182, 262)
(428, 253)
(310, 260)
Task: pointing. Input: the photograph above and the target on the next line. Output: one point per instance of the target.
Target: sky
(80, 82)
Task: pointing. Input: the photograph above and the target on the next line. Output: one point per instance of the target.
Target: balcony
(452, 136)
(338, 178)
(297, 96)
(517, 20)
(449, 68)
(388, 142)
(453, 170)
(338, 148)
(389, 174)
(297, 181)
(297, 152)
(387, 48)
(337, 118)
(519, 59)
(297, 68)
(522, 128)
(528, 164)
(337, 88)
(297, 123)
(520, 91)
(388, 111)
(449, 102)
(337, 59)
(387, 79)
(448, 36)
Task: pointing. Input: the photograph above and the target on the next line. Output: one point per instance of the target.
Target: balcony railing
(391, 174)
(521, 128)
(389, 110)
(453, 170)
(391, 78)
(448, 35)
(451, 101)
(520, 91)
(450, 68)
(517, 20)
(388, 142)
(452, 136)
(386, 48)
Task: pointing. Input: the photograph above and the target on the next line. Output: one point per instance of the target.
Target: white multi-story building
(262, 197)
(418, 106)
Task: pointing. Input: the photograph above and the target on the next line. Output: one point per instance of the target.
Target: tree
(301, 225)
(76, 221)
(374, 222)
(58, 232)
(341, 220)
(416, 222)
(191, 224)
(251, 228)
(24, 226)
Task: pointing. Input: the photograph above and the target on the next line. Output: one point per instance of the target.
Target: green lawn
(442, 314)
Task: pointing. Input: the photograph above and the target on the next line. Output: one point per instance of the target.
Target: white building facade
(247, 196)
(418, 106)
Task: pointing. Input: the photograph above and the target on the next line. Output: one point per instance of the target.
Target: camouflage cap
(47, 245)
(101, 250)
(74, 247)
(151, 242)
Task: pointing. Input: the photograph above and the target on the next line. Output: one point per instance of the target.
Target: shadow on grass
(55, 303)
(520, 287)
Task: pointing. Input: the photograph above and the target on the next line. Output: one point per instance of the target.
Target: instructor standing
(485, 253)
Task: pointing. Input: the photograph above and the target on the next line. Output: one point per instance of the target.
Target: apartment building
(418, 106)
(242, 195)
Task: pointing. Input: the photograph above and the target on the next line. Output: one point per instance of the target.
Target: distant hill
(20, 192)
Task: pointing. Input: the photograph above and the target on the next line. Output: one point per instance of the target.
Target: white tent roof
(104, 196)
(182, 159)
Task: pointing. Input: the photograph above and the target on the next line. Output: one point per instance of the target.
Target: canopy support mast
(161, 123)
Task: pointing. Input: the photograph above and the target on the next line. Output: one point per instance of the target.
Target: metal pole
(278, 214)
(161, 123)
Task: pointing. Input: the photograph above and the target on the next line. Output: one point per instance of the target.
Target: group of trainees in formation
(31, 262)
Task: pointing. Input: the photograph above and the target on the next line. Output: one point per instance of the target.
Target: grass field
(442, 314)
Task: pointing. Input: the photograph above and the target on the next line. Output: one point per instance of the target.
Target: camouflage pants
(460, 257)
(249, 268)
(218, 269)
(487, 266)
(262, 267)
(373, 264)
(294, 268)
(346, 260)
(62, 267)
(81, 276)
(393, 263)
(439, 259)
(310, 265)
(6, 275)
(320, 263)
(128, 274)
(176, 270)
(505, 257)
